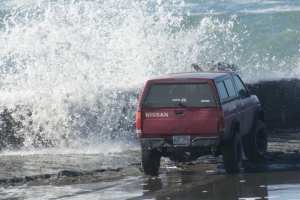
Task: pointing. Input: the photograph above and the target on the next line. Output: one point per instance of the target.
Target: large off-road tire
(232, 154)
(256, 142)
(150, 161)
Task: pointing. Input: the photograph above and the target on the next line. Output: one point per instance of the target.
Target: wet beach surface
(119, 176)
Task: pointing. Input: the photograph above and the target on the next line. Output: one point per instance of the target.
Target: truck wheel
(232, 154)
(150, 161)
(255, 143)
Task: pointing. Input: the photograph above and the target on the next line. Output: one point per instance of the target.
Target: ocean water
(72, 70)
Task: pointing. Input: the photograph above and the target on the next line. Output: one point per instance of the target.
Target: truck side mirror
(251, 89)
(243, 93)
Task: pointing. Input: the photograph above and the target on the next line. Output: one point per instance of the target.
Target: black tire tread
(249, 145)
(232, 154)
(150, 161)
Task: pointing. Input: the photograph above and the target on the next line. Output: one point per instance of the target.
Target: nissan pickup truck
(186, 115)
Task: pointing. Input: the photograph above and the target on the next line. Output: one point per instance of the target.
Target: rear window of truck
(179, 95)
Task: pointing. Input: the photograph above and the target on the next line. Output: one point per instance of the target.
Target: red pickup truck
(187, 115)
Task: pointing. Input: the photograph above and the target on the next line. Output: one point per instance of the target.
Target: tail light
(138, 122)
(221, 121)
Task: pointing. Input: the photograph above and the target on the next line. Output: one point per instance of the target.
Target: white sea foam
(11, 3)
(273, 9)
(211, 13)
(261, 2)
(72, 71)
(105, 148)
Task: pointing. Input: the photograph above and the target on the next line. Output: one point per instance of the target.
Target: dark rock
(35, 177)
(100, 170)
(115, 169)
(281, 102)
(68, 173)
(8, 128)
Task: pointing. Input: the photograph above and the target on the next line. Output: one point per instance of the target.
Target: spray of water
(72, 70)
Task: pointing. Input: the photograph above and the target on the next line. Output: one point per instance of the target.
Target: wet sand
(62, 170)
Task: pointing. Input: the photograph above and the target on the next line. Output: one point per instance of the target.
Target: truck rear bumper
(153, 143)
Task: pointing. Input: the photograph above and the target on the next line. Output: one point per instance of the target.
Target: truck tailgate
(180, 121)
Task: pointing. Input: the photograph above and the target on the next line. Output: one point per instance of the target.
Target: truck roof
(198, 74)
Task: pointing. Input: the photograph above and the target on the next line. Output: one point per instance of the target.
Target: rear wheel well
(235, 127)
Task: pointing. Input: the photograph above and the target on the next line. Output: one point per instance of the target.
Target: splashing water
(72, 70)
